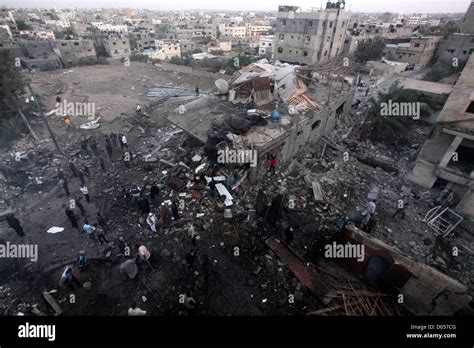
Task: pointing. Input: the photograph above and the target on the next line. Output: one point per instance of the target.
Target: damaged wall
(426, 291)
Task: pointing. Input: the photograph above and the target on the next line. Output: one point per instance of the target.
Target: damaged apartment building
(254, 93)
(447, 157)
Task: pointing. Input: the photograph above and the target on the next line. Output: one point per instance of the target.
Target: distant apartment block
(460, 45)
(117, 46)
(166, 49)
(419, 51)
(142, 40)
(310, 37)
(257, 30)
(232, 31)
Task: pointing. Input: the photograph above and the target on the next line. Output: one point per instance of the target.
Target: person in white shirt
(85, 192)
(151, 221)
(123, 141)
(370, 211)
(135, 311)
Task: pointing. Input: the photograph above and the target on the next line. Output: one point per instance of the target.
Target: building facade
(419, 51)
(310, 37)
(447, 157)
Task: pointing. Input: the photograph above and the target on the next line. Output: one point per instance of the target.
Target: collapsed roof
(261, 83)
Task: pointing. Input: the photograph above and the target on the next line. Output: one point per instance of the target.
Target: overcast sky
(398, 6)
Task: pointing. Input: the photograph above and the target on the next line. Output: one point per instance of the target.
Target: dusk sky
(398, 6)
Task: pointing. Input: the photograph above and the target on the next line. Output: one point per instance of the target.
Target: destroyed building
(446, 158)
(307, 112)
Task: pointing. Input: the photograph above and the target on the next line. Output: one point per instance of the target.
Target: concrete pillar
(449, 152)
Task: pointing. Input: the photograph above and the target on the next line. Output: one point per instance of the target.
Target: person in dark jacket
(72, 217)
(14, 223)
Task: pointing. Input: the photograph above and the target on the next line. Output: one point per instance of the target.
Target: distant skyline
(396, 6)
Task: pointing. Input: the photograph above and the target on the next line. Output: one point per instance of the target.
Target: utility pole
(45, 120)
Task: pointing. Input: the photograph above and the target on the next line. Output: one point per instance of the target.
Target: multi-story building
(419, 51)
(467, 24)
(117, 45)
(232, 31)
(447, 157)
(75, 51)
(257, 30)
(310, 37)
(142, 40)
(166, 49)
(460, 45)
(187, 46)
(265, 45)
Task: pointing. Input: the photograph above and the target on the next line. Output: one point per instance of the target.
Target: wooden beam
(330, 309)
(53, 303)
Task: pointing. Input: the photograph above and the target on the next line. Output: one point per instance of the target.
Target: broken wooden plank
(53, 303)
(330, 309)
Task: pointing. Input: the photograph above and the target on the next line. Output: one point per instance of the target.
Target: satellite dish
(291, 14)
(222, 86)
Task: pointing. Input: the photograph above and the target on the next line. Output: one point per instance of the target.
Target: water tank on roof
(275, 116)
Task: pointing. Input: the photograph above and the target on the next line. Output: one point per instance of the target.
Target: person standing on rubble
(90, 230)
(101, 159)
(197, 91)
(72, 167)
(135, 191)
(68, 278)
(113, 139)
(93, 144)
(77, 201)
(102, 223)
(369, 212)
(175, 211)
(165, 217)
(123, 246)
(72, 217)
(101, 236)
(123, 141)
(273, 164)
(80, 175)
(144, 204)
(14, 223)
(65, 186)
(155, 194)
(151, 221)
(108, 147)
(85, 192)
(82, 261)
(84, 142)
